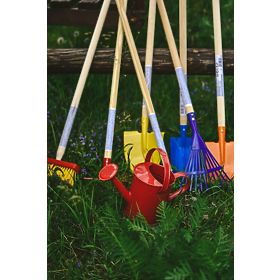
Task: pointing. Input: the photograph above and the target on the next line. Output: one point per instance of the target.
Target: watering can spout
(108, 173)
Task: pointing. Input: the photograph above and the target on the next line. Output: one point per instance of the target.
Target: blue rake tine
(203, 168)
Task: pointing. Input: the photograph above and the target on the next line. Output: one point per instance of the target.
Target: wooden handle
(219, 63)
(217, 27)
(135, 58)
(117, 64)
(140, 75)
(149, 59)
(90, 53)
(169, 34)
(175, 57)
(183, 33)
(183, 52)
(150, 32)
(82, 79)
(114, 91)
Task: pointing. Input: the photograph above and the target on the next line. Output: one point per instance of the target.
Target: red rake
(67, 170)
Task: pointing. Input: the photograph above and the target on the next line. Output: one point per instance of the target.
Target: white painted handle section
(140, 75)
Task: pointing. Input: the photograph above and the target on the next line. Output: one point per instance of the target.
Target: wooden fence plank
(200, 61)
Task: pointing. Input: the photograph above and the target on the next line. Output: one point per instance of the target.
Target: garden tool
(66, 170)
(151, 184)
(180, 147)
(114, 94)
(224, 151)
(202, 167)
(140, 75)
(137, 144)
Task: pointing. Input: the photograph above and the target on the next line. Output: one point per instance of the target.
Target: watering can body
(151, 184)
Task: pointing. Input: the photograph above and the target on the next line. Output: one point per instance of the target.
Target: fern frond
(122, 247)
(143, 230)
(224, 248)
(180, 272)
(196, 215)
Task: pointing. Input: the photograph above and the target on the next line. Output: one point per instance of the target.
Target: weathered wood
(61, 3)
(85, 13)
(90, 4)
(200, 61)
(88, 17)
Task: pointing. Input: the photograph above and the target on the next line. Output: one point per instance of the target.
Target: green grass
(88, 237)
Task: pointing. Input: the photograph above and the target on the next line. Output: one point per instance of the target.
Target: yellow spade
(137, 144)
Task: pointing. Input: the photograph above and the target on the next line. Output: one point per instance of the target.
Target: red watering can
(151, 184)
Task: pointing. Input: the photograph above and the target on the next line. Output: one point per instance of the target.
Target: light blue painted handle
(156, 130)
(68, 126)
(219, 75)
(148, 76)
(183, 86)
(181, 105)
(110, 129)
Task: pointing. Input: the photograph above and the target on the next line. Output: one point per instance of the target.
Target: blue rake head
(202, 168)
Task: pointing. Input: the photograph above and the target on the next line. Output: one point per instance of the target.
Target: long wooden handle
(150, 32)
(82, 79)
(219, 62)
(219, 80)
(90, 53)
(217, 27)
(183, 33)
(183, 52)
(140, 75)
(175, 57)
(114, 91)
(149, 56)
(148, 70)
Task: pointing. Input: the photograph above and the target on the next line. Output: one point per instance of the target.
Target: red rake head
(66, 171)
(64, 164)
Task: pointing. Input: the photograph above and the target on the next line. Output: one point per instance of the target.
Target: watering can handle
(166, 165)
(181, 190)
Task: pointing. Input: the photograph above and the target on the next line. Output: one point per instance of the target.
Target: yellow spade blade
(229, 160)
(133, 147)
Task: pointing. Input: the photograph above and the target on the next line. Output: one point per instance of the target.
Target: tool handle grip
(66, 132)
(182, 189)
(182, 109)
(166, 165)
